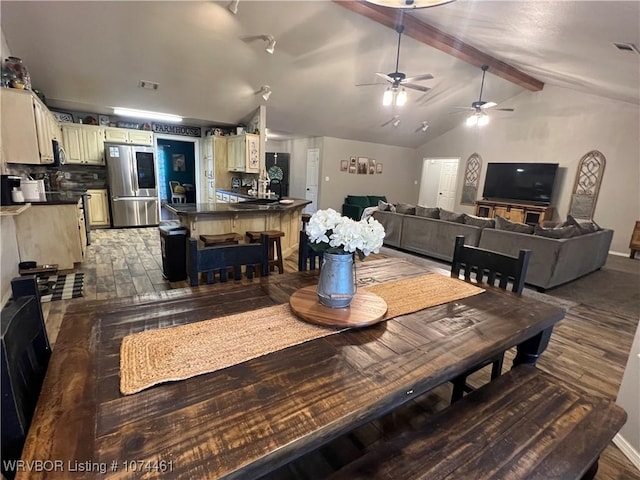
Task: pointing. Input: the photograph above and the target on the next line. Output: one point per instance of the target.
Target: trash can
(173, 244)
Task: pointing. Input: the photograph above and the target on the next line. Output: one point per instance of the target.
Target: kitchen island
(252, 215)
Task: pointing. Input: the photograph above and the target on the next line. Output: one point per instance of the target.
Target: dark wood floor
(589, 349)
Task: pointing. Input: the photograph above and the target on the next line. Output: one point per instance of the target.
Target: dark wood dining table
(248, 419)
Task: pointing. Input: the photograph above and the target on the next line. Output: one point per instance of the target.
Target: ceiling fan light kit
(409, 3)
(479, 117)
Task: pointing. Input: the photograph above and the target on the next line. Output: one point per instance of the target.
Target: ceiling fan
(399, 80)
(479, 116)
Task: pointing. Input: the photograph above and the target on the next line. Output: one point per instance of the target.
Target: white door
(311, 190)
(447, 184)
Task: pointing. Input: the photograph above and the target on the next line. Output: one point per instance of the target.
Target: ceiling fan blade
(488, 105)
(385, 76)
(464, 108)
(417, 78)
(365, 84)
(504, 109)
(415, 86)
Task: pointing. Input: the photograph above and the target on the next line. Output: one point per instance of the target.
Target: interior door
(313, 169)
(447, 184)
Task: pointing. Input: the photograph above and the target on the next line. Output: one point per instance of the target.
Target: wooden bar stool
(275, 246)
(231, 238)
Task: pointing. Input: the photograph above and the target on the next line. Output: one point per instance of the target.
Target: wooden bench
(526, 424)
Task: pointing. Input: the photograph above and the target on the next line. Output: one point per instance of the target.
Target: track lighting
(271, 45)
(394, 96)
(423, 127)
(265, 91)
(233, 6)
(396, 123)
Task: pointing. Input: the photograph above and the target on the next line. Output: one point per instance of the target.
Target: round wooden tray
(365, 309)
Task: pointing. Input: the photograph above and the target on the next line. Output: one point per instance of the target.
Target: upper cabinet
(243, 153)
(84, 144)
(28, 128)
(124, 135)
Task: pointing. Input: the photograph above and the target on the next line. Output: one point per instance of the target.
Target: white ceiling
(91, 55)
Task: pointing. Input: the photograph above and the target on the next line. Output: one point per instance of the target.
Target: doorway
(438, 183)
(177, 162)
(311, 188)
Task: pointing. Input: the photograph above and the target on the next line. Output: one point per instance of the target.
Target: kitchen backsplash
(80, 177)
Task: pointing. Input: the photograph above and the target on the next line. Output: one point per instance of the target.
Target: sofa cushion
(505, 224)
(448, 216)
(358, 200)
(557, 232)
(427, 212)
(386, 207)
(584, 227)
(406, 208)
(374, 199)
(482, 222)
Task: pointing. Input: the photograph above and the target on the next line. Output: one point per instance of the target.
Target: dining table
(252, 417)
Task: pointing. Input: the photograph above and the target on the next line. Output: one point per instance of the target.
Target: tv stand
(516, 212)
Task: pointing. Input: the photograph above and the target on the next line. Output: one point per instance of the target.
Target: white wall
(559, 125)
(629, 399)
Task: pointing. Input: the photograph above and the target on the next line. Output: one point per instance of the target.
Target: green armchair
(354, 205)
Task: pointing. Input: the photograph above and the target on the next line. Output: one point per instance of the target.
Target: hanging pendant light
(401, 98)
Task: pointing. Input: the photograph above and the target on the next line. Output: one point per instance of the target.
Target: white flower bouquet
(330, 232)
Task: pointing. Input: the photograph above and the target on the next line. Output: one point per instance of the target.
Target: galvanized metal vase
(336, 286)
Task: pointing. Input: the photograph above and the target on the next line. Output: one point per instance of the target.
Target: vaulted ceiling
(210, 63)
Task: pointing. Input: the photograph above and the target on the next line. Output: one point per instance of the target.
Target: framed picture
(63, 116)
(103, 120)
(179, 164)
(372, 166)
(352, 169)
(344, 164)
(363, 164)
(378, 167)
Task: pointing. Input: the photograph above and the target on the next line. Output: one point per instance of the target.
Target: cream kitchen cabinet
(28, 128)
(52, 234)
(125, 135)
(84, 144)
(213, 167)
(243, 153)
(99, 208)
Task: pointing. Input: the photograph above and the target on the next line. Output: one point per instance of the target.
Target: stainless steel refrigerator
(132, 185)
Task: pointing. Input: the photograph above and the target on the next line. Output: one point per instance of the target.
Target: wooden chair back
(486, 266)
(307, 256)
(228, 257)
(25, 353)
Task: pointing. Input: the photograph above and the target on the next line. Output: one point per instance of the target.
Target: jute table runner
(177, 353)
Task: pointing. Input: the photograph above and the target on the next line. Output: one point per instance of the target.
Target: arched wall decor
(471, 178)
(587, 185)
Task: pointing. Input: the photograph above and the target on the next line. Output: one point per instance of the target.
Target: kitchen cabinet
(49, 234)
(125, 135)
(84, 144)
(213, 166)
(28, 128)
(99, 208)
(243, 153)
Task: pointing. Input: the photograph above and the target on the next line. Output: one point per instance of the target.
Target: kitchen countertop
(192, 209)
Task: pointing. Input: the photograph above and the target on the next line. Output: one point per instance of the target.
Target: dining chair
(176, 197)
(486, 267)
(307, 256)
(221, 259)
(25, 353)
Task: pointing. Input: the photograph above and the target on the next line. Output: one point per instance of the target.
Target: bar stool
(275, 246)
(231, 238)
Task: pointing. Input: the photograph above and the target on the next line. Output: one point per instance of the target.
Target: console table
(634, 243)
(516, 212)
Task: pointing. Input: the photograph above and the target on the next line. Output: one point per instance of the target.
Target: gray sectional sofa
(553, 261)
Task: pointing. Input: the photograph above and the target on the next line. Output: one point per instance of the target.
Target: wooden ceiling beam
(442, 41)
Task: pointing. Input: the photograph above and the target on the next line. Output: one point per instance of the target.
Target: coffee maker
(7, 184)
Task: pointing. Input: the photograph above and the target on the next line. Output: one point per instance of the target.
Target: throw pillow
(584, 227)
(482, 222)
(557, 232)
(505, 224)
(374, 199)
(549, 224)
(386, 207)
(427, 212)
(406, 208)
(448, 216)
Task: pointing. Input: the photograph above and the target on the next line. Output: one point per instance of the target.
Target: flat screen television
(525, 182)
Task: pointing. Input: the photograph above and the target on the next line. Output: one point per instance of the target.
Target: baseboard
(627, 449)
(619, 254)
